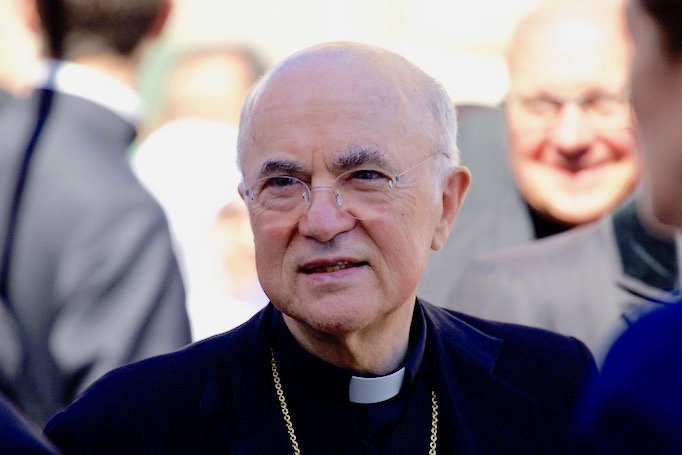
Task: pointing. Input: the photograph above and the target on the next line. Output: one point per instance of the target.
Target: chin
(338, 323)
(571, 218)
(335, 328)
(332, 318)
(580, 213)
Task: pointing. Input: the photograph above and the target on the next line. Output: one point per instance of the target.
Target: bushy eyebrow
(360, 156)
(279, 167)
(356, 156)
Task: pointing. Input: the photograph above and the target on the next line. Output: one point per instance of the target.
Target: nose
(572, 134)
(325, 219)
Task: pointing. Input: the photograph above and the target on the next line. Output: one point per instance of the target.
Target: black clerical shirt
(317, 394)
(544, 226)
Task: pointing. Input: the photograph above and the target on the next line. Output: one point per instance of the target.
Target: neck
(371, 351)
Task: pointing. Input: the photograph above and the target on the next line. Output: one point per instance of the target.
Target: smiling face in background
(571, 163)
(657, 101)
(322, 113)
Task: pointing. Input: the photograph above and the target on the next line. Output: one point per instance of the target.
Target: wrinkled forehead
(330, 101)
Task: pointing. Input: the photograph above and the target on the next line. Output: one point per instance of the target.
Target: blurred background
(185, 148)
(459, 42)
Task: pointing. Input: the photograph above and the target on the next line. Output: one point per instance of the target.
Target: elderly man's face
(329, 271)
(571, 143)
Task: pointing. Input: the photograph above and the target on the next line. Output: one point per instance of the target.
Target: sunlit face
(657, 101)
(581, 165)
(329, 271)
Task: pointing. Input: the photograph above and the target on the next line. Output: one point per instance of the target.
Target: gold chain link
(434, 423)
(290, 426)
(283, 404)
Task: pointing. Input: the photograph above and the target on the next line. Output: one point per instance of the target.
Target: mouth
(583, 174)
(576, 168)
(331, 267)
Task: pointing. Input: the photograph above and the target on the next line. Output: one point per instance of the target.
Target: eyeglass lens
(363, 193)
(599, 111)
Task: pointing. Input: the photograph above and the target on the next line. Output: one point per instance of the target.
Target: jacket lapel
(490, 415)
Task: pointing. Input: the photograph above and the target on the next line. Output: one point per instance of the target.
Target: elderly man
(571, 147)
(350, 173)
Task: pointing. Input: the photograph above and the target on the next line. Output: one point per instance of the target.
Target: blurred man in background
(570, 141)
(590, 282)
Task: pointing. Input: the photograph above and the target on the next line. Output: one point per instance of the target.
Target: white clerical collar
(375, 390)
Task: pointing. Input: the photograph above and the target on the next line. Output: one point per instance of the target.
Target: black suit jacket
(501, 389)
(94, 282)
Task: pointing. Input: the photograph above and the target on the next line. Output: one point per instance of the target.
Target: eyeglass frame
(558, 103)
(393, 181)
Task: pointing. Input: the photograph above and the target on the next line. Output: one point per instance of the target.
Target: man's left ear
(454, 189)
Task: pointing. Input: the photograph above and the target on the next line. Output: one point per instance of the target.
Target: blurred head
(656, 28)
(571, 144)
(235, 240)
(345, 119)
(77, 28)
(211, 82)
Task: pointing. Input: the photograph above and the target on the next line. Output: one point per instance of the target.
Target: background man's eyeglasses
(282, 200)
(600, 112)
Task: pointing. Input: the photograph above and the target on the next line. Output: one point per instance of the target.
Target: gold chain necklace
(290, 426)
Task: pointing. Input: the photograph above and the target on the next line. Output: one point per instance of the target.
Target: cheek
(270, 245)
(408, 234)
(621, 144)
(400, 258)
(525, 154)
(525, 145)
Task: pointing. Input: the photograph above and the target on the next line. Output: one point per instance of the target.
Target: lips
(330, 267)
(583, 176)
(580, 166)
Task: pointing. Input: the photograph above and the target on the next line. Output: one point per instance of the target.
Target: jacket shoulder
(534, 349)
(158, 394)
